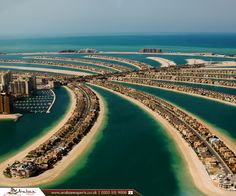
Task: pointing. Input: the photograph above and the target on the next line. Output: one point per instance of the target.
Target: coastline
(195, 168)
(67, 72)
(224, 64)
(218, 68)
(35, 144)
(186, 93)
(211, 64)
(52, 174)
(196, 61)
(229, 141)
(81, 154)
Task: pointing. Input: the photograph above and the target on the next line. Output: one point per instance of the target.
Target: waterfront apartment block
(24, 85)
(151, 50)
(5, 78)
(5, 104)
(88, 51)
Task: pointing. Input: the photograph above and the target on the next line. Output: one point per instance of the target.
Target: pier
(54, 99)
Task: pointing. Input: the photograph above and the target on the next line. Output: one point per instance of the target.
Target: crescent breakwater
(39, 162)
(163, 62)
(218, 160)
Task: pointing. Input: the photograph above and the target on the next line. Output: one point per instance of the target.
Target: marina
(41, 102)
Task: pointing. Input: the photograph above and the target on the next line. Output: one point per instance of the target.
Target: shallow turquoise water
(132, 151)
(217, 114)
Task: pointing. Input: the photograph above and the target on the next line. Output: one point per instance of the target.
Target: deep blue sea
(181, 42)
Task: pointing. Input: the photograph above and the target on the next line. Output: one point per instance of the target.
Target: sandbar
(164, 62)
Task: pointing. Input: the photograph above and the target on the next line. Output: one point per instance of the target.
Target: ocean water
(219, 43)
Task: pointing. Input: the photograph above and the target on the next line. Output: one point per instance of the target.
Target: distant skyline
(103, 17)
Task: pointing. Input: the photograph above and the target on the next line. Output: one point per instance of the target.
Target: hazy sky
(61, 17)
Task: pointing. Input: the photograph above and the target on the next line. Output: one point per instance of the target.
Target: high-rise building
(5, 79)
(5, 104)
(1, 87)
(18, 87)
(32, 83)
(24, 85)
(150, 50)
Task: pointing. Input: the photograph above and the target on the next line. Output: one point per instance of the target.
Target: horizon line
(106, 34)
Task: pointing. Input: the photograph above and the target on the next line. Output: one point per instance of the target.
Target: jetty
(53, 101)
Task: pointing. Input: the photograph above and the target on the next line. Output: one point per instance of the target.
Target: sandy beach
(196, 95)
(194, 166)
(223, 64)
(61, 166)
(196, 61)
(196, 54)
(67, 72)
(228, 63)
(229, 141)
(218, 68)
(164, 62)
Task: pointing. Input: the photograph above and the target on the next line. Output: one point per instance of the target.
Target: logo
(12, 191)
(20, 192)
